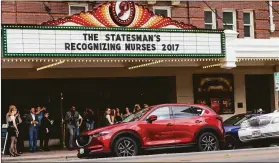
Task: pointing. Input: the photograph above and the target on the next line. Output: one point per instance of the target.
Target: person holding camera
(73, 124)
(32, 120)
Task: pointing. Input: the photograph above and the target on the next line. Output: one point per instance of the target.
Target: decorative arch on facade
(119, 14)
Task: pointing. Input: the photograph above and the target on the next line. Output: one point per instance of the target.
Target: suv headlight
(100, 134)
(244, 124)
(275, 120)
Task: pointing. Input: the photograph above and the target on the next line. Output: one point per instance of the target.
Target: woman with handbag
(12, 130)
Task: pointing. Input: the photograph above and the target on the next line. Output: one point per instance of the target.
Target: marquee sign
(127, 30)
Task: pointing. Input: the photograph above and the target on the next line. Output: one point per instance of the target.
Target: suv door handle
(169, 124)
(198, 121)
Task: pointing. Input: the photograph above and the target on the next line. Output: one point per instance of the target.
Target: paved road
(270, 154)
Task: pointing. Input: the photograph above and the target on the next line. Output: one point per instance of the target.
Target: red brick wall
(22, 12)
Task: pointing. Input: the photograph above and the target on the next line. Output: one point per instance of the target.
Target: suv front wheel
(125, 146)
(208, 142)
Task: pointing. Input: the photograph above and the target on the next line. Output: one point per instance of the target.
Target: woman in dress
(107, 119)
(113, 115)
(46, 124)
(127, 112)
(118, 116)
(12, 130)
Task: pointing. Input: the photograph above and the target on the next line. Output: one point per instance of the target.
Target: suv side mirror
(152, 118)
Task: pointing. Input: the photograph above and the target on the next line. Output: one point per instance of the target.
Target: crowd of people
(39, 125)
(38, 122)
(74, 120)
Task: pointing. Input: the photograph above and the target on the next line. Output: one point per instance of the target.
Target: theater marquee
(133, 32)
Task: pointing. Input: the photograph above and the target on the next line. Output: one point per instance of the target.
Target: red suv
(158, 127)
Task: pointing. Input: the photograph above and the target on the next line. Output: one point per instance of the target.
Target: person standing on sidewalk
(46, 125)
(89, 119)
(40, 114)
(12, 130)
(72, 123)
(32, 121)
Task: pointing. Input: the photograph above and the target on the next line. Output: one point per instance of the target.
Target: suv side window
(185, 111)
(162, 113)
(197, 111)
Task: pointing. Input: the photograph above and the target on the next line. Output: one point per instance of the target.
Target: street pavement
(270, 154)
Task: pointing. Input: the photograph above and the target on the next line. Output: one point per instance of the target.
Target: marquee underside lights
(214, 65)
(51, 65)
(257, 59)
(146, 64)
(8, 60)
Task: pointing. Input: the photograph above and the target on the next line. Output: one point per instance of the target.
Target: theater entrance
(259, 93)
(95, 93)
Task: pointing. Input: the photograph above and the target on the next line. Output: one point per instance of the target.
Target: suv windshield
(136, 116)
(236, 120)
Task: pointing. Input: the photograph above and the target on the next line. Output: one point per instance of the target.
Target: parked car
(261, 130)
(158, 127)
(232, 125)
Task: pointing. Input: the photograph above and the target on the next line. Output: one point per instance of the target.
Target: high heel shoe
(12, 155)
(16, 154)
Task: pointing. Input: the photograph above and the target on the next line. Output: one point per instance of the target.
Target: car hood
(106, 128)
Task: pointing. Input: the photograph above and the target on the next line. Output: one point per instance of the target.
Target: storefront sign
(73, 41)
(276, 80)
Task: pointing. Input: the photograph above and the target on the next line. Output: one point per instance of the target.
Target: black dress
(11, 129)
(45, 124)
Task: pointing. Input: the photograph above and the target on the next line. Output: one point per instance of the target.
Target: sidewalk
(55, 154)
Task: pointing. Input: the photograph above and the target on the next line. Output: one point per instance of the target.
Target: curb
(10, 159)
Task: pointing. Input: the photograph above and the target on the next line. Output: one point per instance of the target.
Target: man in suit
(32, 122)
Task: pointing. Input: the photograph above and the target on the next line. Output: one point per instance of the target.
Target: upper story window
(209, 19)
(229, 18)
(77, 8)
(248, 22)
(162, 10)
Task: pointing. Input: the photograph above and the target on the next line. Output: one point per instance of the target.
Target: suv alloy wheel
(125, 146)
(208, 142)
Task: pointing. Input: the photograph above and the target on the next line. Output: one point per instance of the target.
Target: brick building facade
(17, 12)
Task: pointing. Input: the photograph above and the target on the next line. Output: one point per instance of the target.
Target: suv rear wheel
(208, 142)
(125, 146)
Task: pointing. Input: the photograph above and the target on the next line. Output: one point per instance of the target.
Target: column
(184, 88)
(276, 94)
(229, 61)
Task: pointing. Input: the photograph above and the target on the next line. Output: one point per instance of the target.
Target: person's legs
(35, 138)
(15, 146)
(46, 139)
(31, 139)
(20, 143)
(41, 138)
(71, 137)
(12, 145)
(74, 137)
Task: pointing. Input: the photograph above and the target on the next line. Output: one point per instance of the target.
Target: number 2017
(170, 47)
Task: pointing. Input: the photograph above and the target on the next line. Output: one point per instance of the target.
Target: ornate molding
(119, 14)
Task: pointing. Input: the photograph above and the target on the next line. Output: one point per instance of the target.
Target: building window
(160, 10)
(229, 18)
(248, 23)
(209, 19)
(77, 8)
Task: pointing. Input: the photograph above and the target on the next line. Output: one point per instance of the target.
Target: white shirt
(33, 117)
